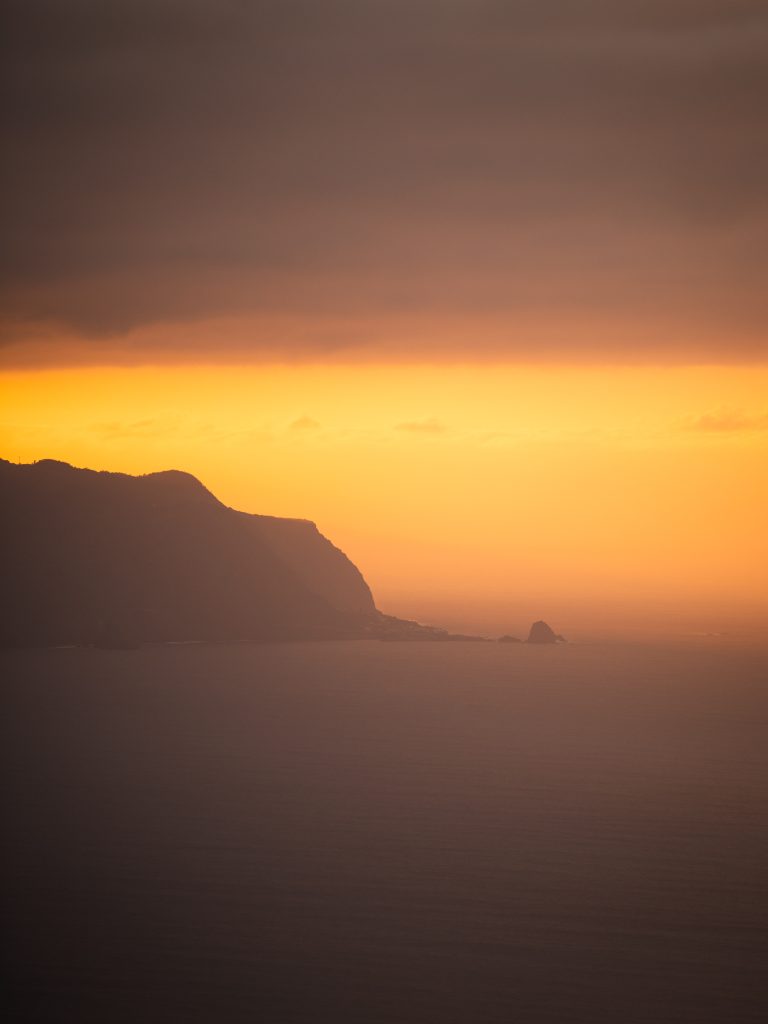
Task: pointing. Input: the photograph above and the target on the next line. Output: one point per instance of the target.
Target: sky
(477, 286)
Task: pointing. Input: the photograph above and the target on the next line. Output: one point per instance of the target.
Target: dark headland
(112, 560)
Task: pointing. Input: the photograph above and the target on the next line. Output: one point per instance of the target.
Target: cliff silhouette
(114, 560)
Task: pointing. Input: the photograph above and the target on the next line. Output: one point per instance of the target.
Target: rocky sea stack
(541, 633)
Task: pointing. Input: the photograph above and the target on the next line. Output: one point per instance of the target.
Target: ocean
(387, 833)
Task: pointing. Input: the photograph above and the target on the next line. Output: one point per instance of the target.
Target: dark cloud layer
(369, 160)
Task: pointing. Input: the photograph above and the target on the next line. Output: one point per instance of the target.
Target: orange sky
(478, 287)
(472, 496)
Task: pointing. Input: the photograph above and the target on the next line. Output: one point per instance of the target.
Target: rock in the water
(541, 633)
(507, 639)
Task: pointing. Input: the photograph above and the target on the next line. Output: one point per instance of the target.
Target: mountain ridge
(159, 557)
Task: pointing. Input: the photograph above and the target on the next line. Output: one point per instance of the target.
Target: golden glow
(477, 496)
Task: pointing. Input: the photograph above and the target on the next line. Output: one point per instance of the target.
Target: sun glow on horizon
(505, 489)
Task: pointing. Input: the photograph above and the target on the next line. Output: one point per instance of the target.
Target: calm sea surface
(372, 832)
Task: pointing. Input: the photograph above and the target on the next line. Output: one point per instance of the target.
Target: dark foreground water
(370, 832)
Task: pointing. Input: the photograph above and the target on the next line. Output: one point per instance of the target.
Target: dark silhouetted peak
(173, 485)
(175, 478)
(55, 465)
(42, 469)
(541, 633)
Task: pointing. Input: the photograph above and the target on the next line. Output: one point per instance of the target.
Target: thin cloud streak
(304, 423)
(426, 426)
(728, 422)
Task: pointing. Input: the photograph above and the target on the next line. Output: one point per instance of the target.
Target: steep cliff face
(321, 566)
(158, 557)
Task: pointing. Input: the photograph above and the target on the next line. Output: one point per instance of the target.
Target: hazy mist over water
(387, 832)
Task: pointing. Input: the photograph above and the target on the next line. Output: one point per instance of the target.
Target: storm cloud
(343, 174)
